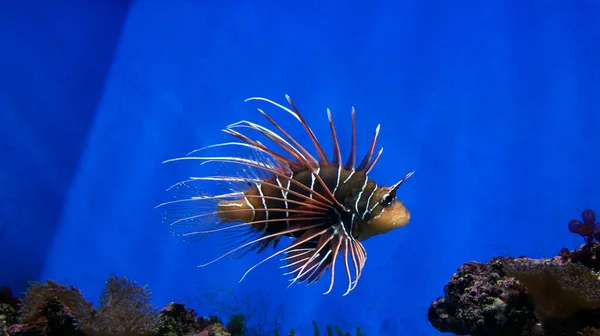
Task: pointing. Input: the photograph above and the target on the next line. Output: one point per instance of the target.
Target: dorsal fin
(322, 156)
(308, 158)
(308, 161)
(337, 154)
(296, 113)
(372, 164)
(311, 162)
(351, 162)
(367, 159)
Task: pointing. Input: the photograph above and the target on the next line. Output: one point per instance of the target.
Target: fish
(324, 207)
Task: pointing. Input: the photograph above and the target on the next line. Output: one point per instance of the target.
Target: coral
(520, 296)
(236, 325)
(3, 327)
(176, 320)
(217, 329)
(124, 307)
(480, 300)
(8, 314)
(7, 297)
(8, 309)
(38, 295)
(587, 227)
(558, 289)
(589, 332)
(51, 317)
(587, 255)
(524, 296)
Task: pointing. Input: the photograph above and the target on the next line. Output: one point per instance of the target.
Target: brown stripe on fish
(277, 199)
(267, 203)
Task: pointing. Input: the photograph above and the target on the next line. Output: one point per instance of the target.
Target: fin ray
(367, 158)
(351, 162)
(337, 154)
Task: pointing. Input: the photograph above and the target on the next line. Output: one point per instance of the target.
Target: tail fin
(194, 214)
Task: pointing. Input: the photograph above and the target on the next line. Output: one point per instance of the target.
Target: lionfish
(326, 207)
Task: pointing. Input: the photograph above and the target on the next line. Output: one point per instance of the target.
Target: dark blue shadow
(54, 61)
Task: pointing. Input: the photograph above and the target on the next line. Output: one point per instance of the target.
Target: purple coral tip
(575, 225)
(589, 217)
(586, 230)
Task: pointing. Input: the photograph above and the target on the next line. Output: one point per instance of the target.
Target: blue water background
(494, 104)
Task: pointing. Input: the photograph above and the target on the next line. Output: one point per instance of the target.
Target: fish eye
(387, 200)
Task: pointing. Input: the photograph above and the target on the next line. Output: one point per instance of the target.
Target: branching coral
(125, 308)
(38, 295)
(587, 227)
(51, 307)
(52, 318)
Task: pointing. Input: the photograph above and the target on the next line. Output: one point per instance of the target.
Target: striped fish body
(277, 196)
(325, 207)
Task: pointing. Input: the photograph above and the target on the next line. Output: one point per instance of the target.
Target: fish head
(389, 214)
